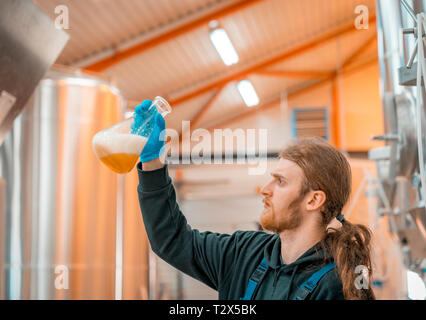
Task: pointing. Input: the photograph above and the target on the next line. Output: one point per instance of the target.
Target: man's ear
(316, 199)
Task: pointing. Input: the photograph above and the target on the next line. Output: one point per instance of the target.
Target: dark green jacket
(225, 262)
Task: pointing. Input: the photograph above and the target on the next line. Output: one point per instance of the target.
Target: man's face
(282, 199)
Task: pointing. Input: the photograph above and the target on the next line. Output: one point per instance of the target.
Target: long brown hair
(327, 169)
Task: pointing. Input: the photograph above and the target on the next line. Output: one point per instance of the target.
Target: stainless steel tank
(61, 239)
(398, 162)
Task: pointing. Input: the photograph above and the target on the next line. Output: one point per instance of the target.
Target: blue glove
(155, 129)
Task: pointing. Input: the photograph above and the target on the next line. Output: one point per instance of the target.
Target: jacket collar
(313, 256)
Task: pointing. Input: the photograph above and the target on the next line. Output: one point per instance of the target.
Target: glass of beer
(119, 146)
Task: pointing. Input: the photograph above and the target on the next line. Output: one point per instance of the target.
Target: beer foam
(106, 143)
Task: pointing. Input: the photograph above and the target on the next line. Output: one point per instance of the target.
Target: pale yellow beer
(120, 162)
(118, 151)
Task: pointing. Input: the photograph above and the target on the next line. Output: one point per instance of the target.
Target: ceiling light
(248, 93)
(224, 46)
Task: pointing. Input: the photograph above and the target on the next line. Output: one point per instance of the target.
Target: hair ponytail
(350, 247)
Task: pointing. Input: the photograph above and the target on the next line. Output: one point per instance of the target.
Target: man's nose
(266, 190)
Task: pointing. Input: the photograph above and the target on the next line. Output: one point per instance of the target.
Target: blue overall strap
(255, 279)
(309, 285)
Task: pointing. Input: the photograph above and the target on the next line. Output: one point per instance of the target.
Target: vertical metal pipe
(389, 22)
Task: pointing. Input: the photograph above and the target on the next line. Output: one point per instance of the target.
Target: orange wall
(361, 106)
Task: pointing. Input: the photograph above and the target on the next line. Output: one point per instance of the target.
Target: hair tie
(340, 217)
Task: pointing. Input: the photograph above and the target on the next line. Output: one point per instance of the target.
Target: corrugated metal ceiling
(97, 25)
(188, 62)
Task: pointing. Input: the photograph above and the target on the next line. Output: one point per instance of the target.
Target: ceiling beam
(300, 49)
(196, 119)
(365, 63)
(263, 107)
(360, 50)
(293, 74)
(168, 35)
(291, 95)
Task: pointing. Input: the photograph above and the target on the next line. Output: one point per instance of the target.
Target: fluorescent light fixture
(415, 286)
(248, 93)
(224, 46)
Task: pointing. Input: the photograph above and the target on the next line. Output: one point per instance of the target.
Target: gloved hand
(155, 145)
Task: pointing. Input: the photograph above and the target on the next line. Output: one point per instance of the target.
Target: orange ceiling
(305, 35)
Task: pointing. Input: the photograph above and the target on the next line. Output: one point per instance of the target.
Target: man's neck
(294, 243)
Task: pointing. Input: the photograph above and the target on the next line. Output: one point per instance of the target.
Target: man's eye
(280, 181)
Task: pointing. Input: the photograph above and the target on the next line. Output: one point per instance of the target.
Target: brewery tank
(398, 162)
(63, 231)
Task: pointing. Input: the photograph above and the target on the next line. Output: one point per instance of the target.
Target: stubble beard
(292, 219)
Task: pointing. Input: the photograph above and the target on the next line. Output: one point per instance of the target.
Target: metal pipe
(409, 10)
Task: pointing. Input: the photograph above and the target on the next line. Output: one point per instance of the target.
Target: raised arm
(205, 256)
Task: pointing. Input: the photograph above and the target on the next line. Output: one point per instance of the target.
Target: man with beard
(312, 253)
